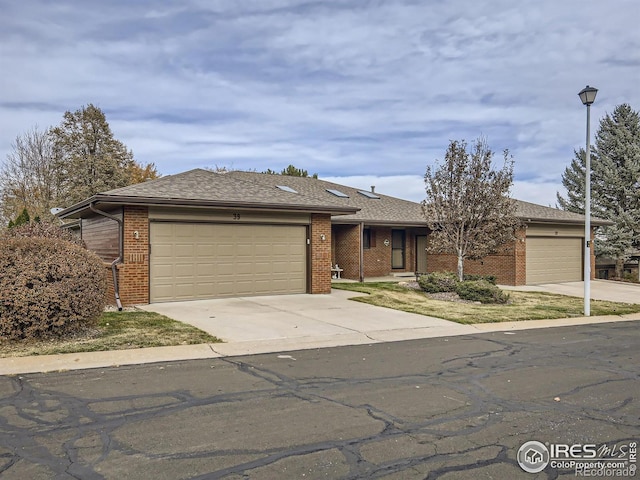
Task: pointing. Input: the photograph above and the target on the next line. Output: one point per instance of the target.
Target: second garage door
(198, 261)
(553, 260)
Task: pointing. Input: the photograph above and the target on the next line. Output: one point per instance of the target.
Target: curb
(116, 358)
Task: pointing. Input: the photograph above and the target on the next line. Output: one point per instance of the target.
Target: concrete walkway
(254, 325)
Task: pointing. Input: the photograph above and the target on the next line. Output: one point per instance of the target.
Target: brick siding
(376, 258)
(346, 250)
(510, 267)
(320, 253)
(134, 272)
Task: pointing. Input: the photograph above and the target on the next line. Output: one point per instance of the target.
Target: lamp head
(588, 95)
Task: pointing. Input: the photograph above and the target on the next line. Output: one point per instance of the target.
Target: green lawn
(115, 331)
(522, 305)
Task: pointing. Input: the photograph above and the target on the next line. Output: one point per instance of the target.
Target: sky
(360, 92)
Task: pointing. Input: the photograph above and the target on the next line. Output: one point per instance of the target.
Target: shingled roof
(531, 212)
(212, 189)
(263, 191)
(383, 210)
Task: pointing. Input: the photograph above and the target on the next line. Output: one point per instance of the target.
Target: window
(284, 188)
(337, 193)
(366, 238)
(368, 194)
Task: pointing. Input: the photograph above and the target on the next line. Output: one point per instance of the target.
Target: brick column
(320, 253)
(134, 272)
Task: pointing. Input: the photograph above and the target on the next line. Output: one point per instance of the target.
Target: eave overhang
(110, 201)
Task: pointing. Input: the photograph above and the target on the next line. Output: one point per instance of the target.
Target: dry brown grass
(115, 331)
(521, 306)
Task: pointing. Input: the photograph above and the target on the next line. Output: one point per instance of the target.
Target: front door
(397, 248)
(421, 254)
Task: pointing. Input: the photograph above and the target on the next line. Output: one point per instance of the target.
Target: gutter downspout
(116, 287)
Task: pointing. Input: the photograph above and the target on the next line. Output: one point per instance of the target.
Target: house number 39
(236, 216)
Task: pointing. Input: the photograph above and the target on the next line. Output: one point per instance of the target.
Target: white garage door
(553, 259)
(197, 260)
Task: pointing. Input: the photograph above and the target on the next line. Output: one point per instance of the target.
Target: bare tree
(66, 164)
(468, 205)
(28, 177)
(89, 157)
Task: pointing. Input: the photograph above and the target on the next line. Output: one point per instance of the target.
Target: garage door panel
(244, 268)
(163, 250)
(192, 261)
(553, 259)
(262, 268)
(164, 271)
(224, 250)
(183, 250)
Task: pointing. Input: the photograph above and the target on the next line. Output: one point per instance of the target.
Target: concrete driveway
(600, 290)
(298, 318)
(279, 323)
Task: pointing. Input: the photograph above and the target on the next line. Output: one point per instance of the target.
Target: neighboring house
(606, 267)
(202, 234)
(548, 249)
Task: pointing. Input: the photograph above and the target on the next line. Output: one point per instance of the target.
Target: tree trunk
(460, 268)
(619, 267)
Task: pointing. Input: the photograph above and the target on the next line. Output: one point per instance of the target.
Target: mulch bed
(443, 296)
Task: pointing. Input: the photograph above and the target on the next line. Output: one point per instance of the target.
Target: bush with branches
(477, 288)
(437, 282)
(481, 291)
(42, 230)
(489, 278)
(49, 287)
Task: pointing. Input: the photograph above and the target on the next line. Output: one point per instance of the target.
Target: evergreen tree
(573, 182)
(615, 184)
(22, 219)
(291, 171)
(618, 183)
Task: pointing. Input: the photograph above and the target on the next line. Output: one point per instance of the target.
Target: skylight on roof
(368, 194)
(337, 193)
(284, 188)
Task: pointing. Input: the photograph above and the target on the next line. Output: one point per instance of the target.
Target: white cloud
(344, 88)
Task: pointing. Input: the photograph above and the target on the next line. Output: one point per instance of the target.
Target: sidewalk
(117, 358)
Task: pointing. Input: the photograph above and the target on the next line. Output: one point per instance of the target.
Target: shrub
(438, 282)
(481, 291)
(489, 278)
(49, 287)
(43, 230)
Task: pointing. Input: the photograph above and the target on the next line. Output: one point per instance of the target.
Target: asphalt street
(438, 408)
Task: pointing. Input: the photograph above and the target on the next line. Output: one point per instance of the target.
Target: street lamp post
(588, 96)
